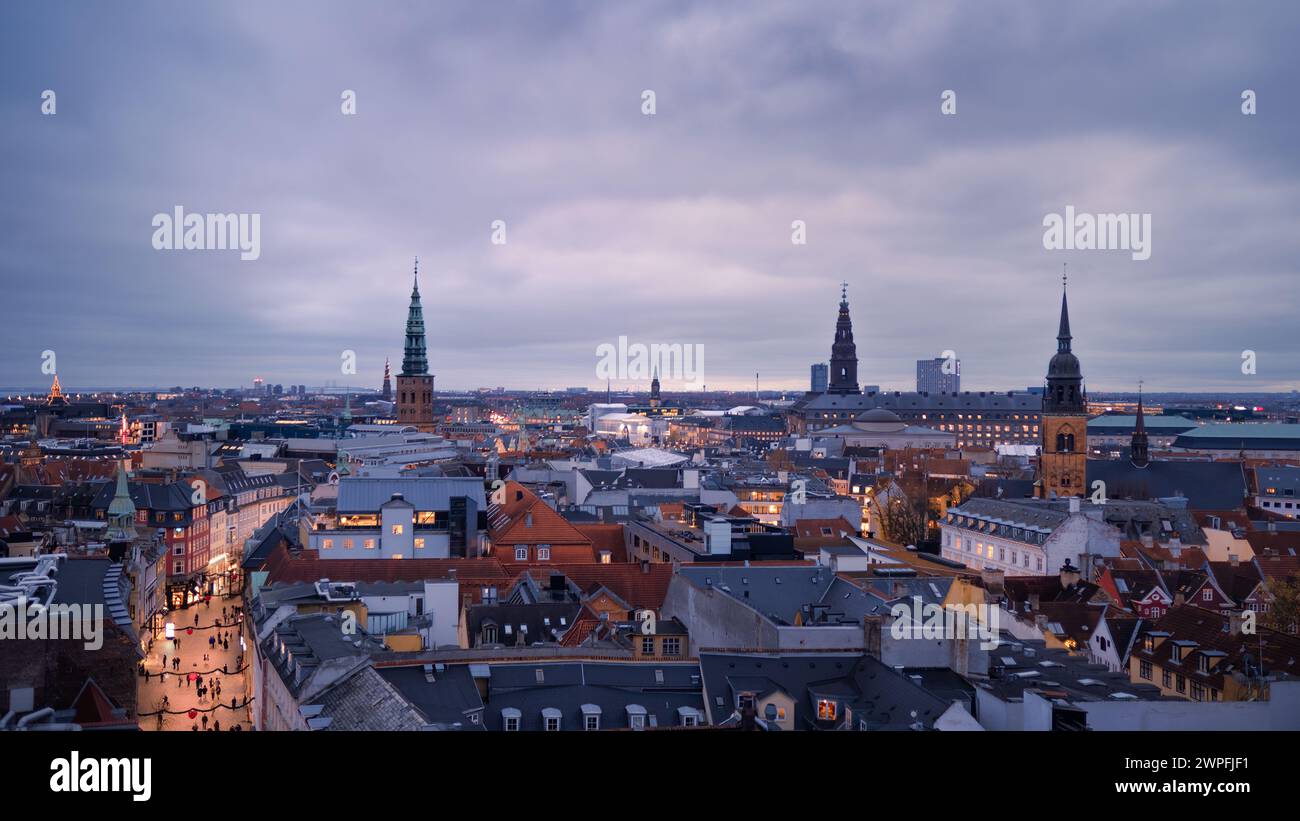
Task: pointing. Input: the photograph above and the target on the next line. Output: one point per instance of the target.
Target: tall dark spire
(654, 388)
(1139, 450)
(844, 353)
(1063, 333)
(1064, 392)
(415, 361)
(387, 391)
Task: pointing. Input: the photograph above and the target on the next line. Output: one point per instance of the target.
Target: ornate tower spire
(121, 511)
(415, 361)
(387, 393)
(414, 383)
(844, 353)
(654, 388)
(1063, 456)
(1064, 392)
(1139, 449)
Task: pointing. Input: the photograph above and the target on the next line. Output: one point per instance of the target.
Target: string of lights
(197, 710)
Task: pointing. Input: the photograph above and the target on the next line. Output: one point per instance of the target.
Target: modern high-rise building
(1063, 460)
(844, 353)
(820, 377)
(932, 375)
(414, 383)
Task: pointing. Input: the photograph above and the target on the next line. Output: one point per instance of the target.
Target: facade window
(368, 544)
(1144, 669)
(1166, 678)
(647, 646)
(327, 544)
(825, 709)
(521, 554)
(1181, 684)
(672, 647)
(179, 567)
(1207, 595)
(592, 722)
(419, 544)
(543, 554)
(397, 530)
(347, 544)
(552, 724)
(512, 724)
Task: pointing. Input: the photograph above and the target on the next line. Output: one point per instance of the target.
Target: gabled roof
(523, 518)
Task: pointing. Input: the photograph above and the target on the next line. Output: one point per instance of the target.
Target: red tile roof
(525, 519)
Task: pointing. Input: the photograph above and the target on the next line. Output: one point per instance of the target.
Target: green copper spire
(121, 511)
(415, 361)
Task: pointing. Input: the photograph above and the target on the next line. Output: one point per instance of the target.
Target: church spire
(844, 353)
(1063, 332)
(121, 511)
(1139, 449)
(387, 392)
(415, 360)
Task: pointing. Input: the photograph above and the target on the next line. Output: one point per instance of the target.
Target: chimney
(1069, 575)
(1074, 504)
(1234, 559)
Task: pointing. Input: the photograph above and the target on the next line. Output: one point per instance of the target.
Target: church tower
(844, 354)
(1139, 447)
(414, 383)
(1063, 461)
(387, 392)
(655, 399)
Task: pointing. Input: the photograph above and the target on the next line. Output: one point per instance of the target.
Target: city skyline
(652, 227)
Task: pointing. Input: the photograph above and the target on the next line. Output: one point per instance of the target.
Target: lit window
(397, 530)
(419, 543)
(825, 709)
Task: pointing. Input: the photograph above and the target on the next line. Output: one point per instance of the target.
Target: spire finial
(1065, 274)
(844, 292)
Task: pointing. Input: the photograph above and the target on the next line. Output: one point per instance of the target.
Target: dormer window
(551, 719)
(636, 716)
(826, 709)
(510, 720)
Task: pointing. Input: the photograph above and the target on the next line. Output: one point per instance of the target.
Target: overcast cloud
(667, 228)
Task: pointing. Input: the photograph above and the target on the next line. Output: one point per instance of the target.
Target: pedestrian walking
(164, 661)
(216, 725)
(196, 619)
(205, 721)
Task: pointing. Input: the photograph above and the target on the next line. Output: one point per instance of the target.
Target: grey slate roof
(365, 495)
(1207, 485)
(776, 592)
(873, 691)
(366, 701)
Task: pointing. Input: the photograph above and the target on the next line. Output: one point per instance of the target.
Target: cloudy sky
(671, 228)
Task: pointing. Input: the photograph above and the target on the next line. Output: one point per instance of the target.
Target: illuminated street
(182, 694)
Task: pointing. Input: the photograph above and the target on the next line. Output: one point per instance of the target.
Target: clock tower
(1063, 459)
